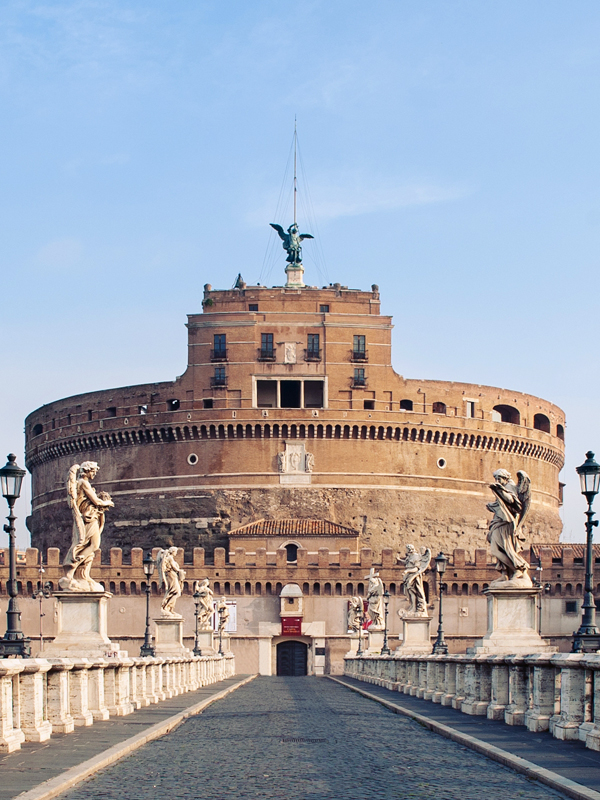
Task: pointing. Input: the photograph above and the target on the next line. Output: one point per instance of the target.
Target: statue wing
(72, 502)
(425, 559)
(524, 493)
(282, 234)
(160, 567)
(304, 236)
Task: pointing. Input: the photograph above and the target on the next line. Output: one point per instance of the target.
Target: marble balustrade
(39, 696)
(557, 692)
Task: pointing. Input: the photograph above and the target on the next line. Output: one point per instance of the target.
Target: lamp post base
(15, 647)
(147, 650)
(586, 641)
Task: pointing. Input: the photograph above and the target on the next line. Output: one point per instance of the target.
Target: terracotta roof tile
(557, 549)
(293, 527)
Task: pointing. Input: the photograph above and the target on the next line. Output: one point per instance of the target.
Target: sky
(449, 151)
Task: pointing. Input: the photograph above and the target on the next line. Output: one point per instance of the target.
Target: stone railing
(41, 696)
(559, 693)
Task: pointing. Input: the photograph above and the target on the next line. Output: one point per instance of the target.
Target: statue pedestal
(375, 641)
(295, 275)
(207, 640)
(168, 639)
(82, 627)
(513, 622)
(416, 637)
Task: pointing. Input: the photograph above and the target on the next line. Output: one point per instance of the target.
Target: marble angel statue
(223, 612)
(88, 508)
(205, 606)
(505, 533)
(355, 614)
(415, 565)
(375, 600)
(171, 576)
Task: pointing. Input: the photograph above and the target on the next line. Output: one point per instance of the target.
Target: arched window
(133, 588)
(37, 429)
(292, 553)
(338, 589)
(439, 408)
(475, 588)
(349, 589)
(360, 590)
(305, 589)
(122, 589)
(569, 589)
(217, 587)
(278, 589)
(465, 588)
(406, 405)
(268, 588)
(247, 588)
(227, 588)
(560, 432)
(112, 587)
(258, 589)
(541, 423)
(327, 590)
(392, 589)
(317, 589)
(455, 588)
(238, 588)
(506, 414)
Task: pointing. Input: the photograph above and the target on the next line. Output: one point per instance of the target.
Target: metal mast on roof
(295, 176)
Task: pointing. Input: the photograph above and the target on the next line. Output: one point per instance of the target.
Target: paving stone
(310, 739)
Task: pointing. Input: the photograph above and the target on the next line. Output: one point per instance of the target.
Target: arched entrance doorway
(292, 658)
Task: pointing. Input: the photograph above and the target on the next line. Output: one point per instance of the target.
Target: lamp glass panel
(11, 485)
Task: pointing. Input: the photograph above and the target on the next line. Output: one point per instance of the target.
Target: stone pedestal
(207, 641)
(295, 276)
(168, 640)
(415, 636)
(375, 641)
(82, 627)
(513, 627)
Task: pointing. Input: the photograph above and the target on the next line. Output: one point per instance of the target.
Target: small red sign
(291, 626)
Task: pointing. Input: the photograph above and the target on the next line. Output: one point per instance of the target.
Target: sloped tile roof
(557, 549)
(293, 527)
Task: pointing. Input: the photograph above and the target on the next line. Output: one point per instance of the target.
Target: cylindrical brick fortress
(289, 407)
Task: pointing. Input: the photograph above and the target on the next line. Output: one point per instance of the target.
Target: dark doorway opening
(292, 658)
(290, 394)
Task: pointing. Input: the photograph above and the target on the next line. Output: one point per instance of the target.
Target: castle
(290, 409)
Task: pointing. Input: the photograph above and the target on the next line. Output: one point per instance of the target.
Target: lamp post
(43, 592)
(385, 650)
(440, 648)
(361, 619)
(147, 649)
(197, 650)
(587, 638)
(13, 643)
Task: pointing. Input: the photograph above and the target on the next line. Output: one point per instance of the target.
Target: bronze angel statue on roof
(291, 241)
(505, 533)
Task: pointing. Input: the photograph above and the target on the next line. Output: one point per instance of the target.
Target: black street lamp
(197, 596)
(361, 620)
(147, 649)
(43, 592)
(440, 648)
(587, 638)
(385, 650)
(13, 643)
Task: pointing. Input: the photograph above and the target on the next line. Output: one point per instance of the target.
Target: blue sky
(451, 151)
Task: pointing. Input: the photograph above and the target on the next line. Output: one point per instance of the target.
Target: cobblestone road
(304, 739)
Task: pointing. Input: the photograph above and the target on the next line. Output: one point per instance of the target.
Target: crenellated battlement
(319, 573)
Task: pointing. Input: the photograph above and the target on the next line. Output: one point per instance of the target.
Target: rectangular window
(470, 408)
(90, 414)
(313, 351)
(111, 412)
(266, 394)
(359, 376)
(253, 307)
(324, 309)
(207, 402)
(219, 352)
(313, 394)
(359, 344)
(267, 353)
(220, 342)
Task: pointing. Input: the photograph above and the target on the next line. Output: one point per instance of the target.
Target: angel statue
(291, 242)
(171, 576)
(205, 605)
(223, 612)
(355, 614)
(375, 600)
(415, 564)
(505, 530)
(88, 508)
